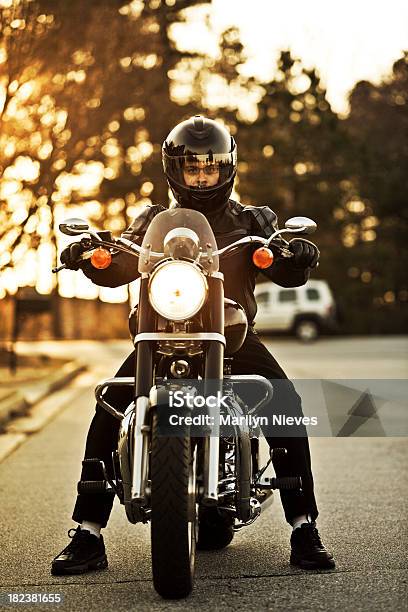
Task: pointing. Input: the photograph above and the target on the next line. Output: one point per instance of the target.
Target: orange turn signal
(262, 258)
(101, 259)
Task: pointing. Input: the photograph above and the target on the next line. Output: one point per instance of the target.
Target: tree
(378, 127)
(85, 85)
(293, 150)
(298, 156)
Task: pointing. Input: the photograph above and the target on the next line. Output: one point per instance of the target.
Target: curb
(55, 381)
(11, 404)
(9, 442)
(17, 422)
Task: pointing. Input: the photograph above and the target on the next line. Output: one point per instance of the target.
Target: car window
(312, 294)
(287, 296)
(262, 299)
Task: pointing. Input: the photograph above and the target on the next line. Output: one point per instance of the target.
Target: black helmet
(204, 144)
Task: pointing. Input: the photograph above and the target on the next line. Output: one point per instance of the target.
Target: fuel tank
(235, 326)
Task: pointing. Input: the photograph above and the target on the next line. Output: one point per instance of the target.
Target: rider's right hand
(71, 255)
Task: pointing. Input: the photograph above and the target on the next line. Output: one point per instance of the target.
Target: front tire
(174, 513)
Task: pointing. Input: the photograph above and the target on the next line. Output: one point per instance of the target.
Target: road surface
(361, 488)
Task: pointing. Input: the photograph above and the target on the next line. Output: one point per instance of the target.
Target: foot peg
(288, 483)
(93, 486)
(104, 485)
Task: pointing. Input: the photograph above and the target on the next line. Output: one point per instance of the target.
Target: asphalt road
(361, 487)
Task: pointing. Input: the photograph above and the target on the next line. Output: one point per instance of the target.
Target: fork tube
(214, 370)
(144, 350)
(143, 384)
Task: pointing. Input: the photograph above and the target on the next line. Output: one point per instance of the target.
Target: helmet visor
(200, 172)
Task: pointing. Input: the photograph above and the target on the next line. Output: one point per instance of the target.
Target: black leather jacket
(233, 222)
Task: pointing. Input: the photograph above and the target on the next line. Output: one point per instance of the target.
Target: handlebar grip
(58, 268)
(85, 255)
(283, 251)
(287, 253)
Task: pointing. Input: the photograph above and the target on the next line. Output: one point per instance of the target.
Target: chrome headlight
(177, 290)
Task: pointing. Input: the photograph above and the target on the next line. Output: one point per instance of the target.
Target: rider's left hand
(305, 253)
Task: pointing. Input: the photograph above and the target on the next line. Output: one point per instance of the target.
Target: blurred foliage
(349, 174)
(375, 222)
(89, 90)
(85, 86)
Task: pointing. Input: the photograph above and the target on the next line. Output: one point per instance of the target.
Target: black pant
(252, 358)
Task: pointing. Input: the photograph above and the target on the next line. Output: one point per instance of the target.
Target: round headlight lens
(177, 290)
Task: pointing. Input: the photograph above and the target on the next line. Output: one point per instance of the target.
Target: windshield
(179, 233)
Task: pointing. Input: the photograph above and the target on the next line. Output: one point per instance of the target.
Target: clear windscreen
(179, 233)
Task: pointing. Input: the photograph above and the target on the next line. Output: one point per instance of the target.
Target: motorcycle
(185, 333)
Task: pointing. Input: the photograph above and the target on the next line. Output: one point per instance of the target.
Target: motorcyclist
(200, 161)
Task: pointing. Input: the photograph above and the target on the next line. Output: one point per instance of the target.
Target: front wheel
(174, 513)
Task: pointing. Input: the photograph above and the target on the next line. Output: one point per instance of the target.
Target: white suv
(305, 311)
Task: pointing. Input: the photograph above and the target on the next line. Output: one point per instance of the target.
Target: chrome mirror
(301, 225)
(73, 227)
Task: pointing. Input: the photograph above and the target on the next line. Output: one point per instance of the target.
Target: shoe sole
(100, 563)
(312, 565)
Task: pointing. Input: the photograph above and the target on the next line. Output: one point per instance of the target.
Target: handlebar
(129, 247)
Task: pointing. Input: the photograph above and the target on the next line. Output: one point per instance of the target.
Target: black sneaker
(308, 551)
(215, 529)
(86, 552)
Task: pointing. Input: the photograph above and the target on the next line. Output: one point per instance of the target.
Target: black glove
(305, 253)
(70, 256)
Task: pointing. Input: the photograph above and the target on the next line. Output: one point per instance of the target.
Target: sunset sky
(346, 41)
